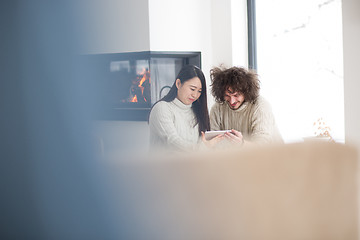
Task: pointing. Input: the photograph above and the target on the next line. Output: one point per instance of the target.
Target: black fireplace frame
(140, 112)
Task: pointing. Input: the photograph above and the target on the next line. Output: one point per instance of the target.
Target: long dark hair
(200, 105)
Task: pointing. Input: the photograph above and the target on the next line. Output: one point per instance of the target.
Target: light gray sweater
(173, 126)
(255, 120)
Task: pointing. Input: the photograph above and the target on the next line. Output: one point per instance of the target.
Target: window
(300, 64)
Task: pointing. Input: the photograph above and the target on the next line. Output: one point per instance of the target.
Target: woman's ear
(178, 83)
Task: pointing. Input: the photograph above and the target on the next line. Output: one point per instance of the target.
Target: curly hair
(238, 79)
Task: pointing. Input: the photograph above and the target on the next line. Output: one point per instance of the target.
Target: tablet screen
(211, 134)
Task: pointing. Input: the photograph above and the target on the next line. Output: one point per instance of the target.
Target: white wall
(229, 33)
(351, 40)
(221, 32)
(182, 26)
(239, 33)
(116, 26)
(216, 28)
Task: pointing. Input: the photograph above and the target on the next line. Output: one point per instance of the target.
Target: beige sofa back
(293, 191)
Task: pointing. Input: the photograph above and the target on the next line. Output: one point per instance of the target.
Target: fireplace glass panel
(133, 82)
(163, 73)
(130, 83)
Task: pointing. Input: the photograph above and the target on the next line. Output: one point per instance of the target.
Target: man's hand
(212, 142)
(234, 137)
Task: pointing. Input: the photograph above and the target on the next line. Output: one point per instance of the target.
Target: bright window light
(300, 64)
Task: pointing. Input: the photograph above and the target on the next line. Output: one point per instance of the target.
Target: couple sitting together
(178, 121)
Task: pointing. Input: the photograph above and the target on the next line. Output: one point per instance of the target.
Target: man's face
(234, 99)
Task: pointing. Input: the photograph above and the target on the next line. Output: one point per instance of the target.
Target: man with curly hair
(240, 108)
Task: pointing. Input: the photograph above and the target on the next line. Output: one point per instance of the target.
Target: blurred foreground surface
(294, 191)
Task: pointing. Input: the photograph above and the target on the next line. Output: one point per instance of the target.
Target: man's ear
(178, 83)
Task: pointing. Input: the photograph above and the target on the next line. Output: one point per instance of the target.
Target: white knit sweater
(172, 126)
(255, 120)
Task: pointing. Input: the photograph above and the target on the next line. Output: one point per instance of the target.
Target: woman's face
(189, 91)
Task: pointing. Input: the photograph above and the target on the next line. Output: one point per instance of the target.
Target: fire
(145, 76)
(140, 84)
(134, 99)
(142, 80)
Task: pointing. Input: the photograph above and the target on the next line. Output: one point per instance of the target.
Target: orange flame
(134, 99)
(145, 76)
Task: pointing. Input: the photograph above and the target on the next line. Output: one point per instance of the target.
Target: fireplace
(134, 81)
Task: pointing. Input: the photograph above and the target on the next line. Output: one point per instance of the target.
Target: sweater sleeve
(162, 127)
(263, 123)
(215, 120)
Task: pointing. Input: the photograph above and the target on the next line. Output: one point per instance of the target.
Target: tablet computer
(211, 134)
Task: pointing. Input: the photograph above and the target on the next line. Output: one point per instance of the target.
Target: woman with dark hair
(177, 120)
